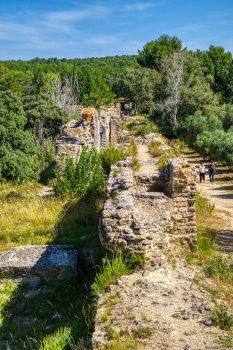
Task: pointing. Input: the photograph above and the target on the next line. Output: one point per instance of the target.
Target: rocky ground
(163, 308)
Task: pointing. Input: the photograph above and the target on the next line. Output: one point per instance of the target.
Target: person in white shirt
(202, 172)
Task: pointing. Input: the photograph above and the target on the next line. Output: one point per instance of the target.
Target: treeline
(188, 94)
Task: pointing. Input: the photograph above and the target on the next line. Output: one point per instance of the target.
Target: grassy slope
(29, 314)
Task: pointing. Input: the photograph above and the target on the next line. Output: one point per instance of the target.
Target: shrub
(110, 156)
(135, 164)
(221, 317)
(154, 148)
(80, 178)
(133, 148)
(16, 145)
(218, 265)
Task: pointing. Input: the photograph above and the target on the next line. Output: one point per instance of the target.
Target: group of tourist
(211, 171)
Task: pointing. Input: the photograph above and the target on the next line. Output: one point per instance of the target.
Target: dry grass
(210, 223)
(27, 218)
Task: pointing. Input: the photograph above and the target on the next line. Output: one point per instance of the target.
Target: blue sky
(71, 29)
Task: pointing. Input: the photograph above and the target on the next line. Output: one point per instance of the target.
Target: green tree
(97, 93)
(44, 116)
(16, 145)
(16, 81)
(138, 85)
(154, 51)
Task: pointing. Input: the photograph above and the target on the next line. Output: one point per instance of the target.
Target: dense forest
(189, 95)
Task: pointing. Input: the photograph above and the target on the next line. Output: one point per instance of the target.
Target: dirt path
(219, 193)
(148, 164)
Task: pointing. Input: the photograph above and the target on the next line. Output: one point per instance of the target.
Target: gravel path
(149, 165)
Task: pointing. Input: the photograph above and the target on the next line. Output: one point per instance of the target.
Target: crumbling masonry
(95, 128)
(132, 220)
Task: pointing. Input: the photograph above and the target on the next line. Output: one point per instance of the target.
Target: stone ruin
(132, 220)
(145, 221)
(29, 263)
(95, 128)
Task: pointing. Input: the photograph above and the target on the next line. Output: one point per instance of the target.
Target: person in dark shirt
(211, 170)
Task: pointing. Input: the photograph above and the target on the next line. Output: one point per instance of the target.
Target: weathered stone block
(29, 263)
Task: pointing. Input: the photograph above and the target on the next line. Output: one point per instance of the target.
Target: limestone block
(29, 263)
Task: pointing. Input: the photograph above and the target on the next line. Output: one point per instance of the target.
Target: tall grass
(112, 269)
(27, 218)
(214, 263)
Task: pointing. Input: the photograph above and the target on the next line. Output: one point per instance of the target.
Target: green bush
(110, 156)
(16, 145)
(133, 150)
(218, 265)
(221, 317)
(80, 178)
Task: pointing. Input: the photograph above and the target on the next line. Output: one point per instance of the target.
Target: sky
(79, 29)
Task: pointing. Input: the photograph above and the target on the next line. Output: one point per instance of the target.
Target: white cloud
(140, 6)
(78, 15)
(102, 40)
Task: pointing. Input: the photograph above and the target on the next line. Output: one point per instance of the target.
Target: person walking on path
(211, 170)
(202, 172)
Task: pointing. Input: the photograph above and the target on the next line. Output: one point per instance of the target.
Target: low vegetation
(80, 177)
(112, 155)
(142, 126)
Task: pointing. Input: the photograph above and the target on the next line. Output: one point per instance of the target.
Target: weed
(190, 333)
(163, 162)
(135, 164)
(154, 148)
(143, 332)
(181, 239)
(145, 318)
(221, 317)
(203, 205)
(214, 292)
(218, 265)
(173, 264)
(113, 199)
(227, 341)
(125, 342)
(133, 150)
(113, 269)
(139, 281)
(116, 171)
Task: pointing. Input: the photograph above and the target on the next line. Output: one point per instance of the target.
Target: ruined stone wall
(76, 134)
(137, 221)
(181, 187)
(93, 129)
(134, 221)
